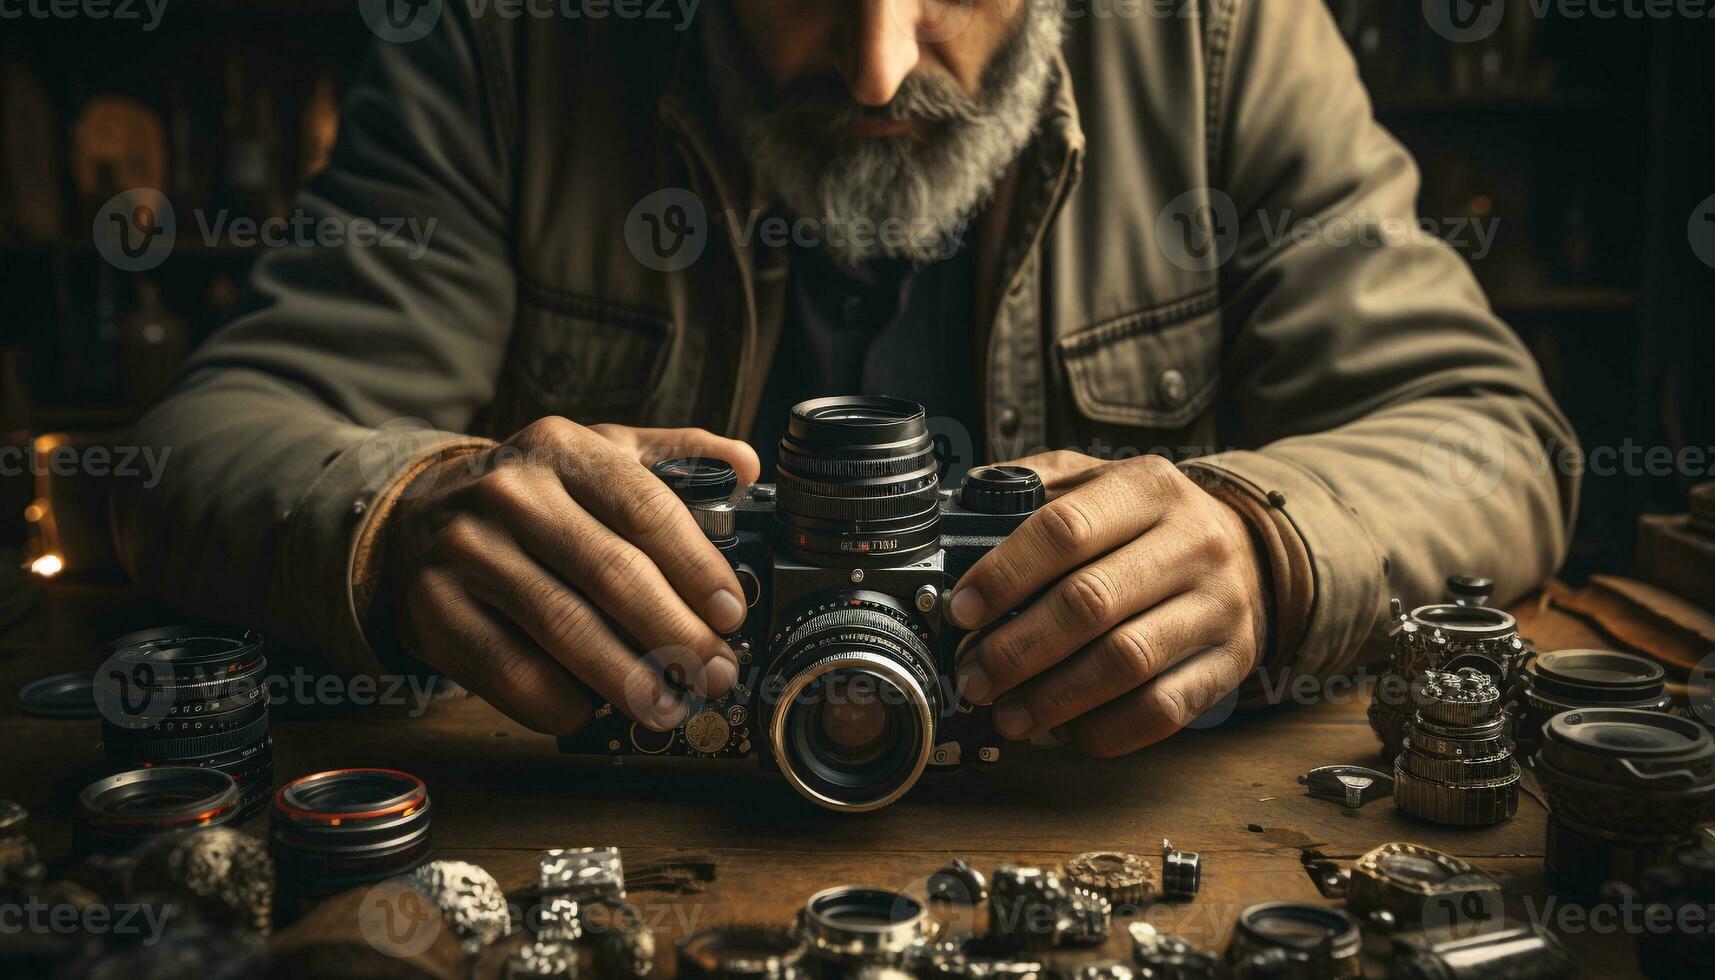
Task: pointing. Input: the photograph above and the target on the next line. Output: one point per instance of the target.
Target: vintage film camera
(845, 662)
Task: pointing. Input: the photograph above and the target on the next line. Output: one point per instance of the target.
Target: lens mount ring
(890, 670)
(848, 922)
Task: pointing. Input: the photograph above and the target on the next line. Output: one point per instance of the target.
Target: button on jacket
(1133, 293)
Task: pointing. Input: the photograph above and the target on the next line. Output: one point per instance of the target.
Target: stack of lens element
(333, 831)
(1457, 764)
(190, 696)
(1439, 637)
(1567, 679)
(1626, 788)
(118, 814)
(858, 482)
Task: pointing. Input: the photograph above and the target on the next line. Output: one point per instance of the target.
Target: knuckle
(565, 619)
(1175, 705)
(644, 511)
(1007, 656)
(1090, 598)
(461, 540)
(503, 487)
(1066, 527)
(1135, 653)
(616, 574)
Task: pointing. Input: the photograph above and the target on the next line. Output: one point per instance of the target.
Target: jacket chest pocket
(587, 359)
(1145, 382)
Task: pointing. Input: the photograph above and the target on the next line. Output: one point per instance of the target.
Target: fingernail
(974, 684)
(721, 675)
(724, 612)
(1012, 719)
(966, 607)
(669, 709)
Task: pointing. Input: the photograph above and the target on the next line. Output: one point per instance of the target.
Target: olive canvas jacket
(595, 254)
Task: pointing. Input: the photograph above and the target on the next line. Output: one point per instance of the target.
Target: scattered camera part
(975, 957)
(624, 945)
(1678, 890)
(584, 874)
(21, 866)
(226, 876)
(1470, 590)
(557, 920)
(1433, 637)
(1402, 880)
(1457, 765)
(1104, 970)
(1515, 951)
(1032, 908)
(1181, 872)
(1296, 939)
(744, 953)
(1625, 789)
(542, 961)
(68, 696)
(958, 884)
(1121, 878)
(1165, 957)
(1564, 680)
(118, 814)
(1350, 786)
(849, 924)
(469, 898)
(332, 831)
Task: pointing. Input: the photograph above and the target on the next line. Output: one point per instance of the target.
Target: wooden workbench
(501, 795)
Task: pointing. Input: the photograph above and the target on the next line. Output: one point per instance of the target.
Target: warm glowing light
(34, 512)
(47, 566)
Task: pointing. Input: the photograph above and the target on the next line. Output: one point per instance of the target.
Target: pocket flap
(1158, 368)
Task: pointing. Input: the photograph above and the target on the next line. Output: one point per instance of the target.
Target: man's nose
(880, 48)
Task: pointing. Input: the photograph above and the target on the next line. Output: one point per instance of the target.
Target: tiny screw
(857, 575)
(613, 745)
(988, 753)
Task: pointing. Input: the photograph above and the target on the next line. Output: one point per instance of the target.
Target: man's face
(887, 121)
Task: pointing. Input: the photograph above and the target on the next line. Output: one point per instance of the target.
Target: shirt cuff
(334, 523)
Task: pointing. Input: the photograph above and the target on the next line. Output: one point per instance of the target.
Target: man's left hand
(1154, 607)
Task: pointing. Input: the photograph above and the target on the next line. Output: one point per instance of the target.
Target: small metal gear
(1123, 879)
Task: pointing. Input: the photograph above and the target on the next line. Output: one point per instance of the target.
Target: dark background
(1591, 140)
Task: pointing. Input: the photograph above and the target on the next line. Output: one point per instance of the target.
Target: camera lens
(848, 924)
(189, 696)
(1625, 788)
(331, 831)
(858, 482)
(1327, 938)
(116, 814)
(853, 723)
(1567, 679)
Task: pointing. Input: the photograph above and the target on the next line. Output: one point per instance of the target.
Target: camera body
(845, 657)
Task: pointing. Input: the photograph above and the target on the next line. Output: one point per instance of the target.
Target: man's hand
(1153, 610)
(557, 554)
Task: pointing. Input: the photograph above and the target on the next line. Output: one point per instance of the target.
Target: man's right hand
(558, 555)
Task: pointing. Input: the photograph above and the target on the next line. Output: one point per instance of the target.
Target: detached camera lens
(335, 830)
(1326, 939)
(858, 482)
(116, 814)
(1567, 679)
(853, 924)
(189, 696)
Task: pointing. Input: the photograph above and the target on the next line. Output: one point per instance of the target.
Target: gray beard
(902, 197)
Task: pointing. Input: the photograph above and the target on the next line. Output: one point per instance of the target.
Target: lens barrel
(1457, 765)
(117, 814)
(331, 831)
(190, 696)
(1625, 789)
(1443, 636)
(858, 482)
(1564, 680)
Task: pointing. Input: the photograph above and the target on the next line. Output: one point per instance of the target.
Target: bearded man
(1060, 228)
